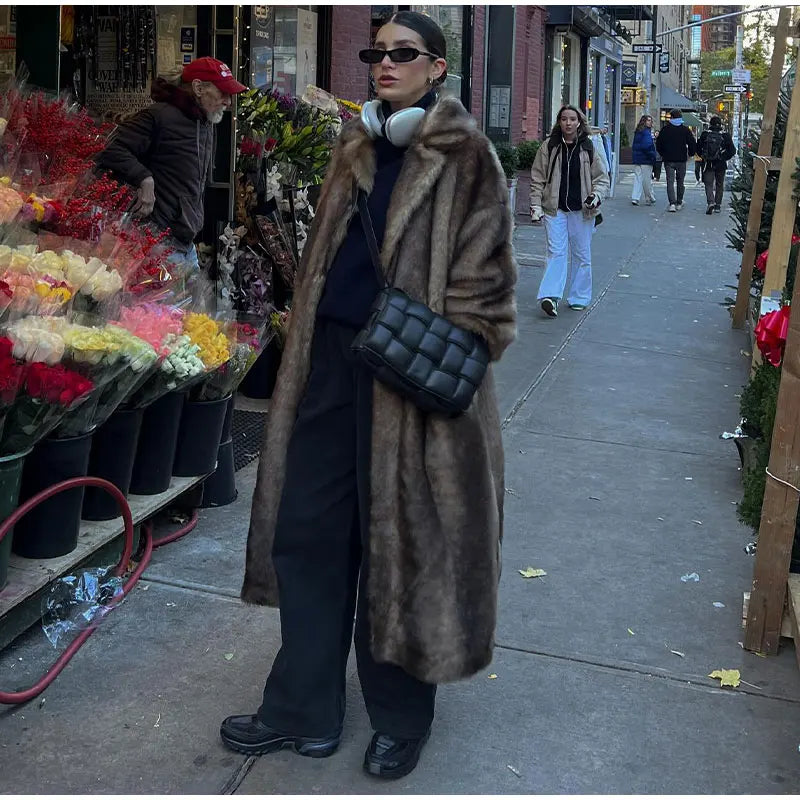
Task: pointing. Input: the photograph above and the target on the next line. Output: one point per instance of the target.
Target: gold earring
(430, 81)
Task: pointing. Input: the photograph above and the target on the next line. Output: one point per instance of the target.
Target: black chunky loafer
(249, 735)
(390, 757)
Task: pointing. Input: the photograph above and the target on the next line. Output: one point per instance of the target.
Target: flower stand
(51, 529)
(10, 482)
(219, 489)
(113, 452)
(199, 437)
(155, 451)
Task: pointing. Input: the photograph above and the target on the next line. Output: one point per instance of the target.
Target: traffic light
(721, 106)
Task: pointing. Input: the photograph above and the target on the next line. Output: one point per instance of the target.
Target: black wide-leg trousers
(320, 557)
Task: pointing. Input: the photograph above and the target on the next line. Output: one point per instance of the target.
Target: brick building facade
(350, 32)
(528, 87)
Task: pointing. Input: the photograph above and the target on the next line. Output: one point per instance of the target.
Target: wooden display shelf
(29, 579)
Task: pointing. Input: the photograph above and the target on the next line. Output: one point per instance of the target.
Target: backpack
(714, 146)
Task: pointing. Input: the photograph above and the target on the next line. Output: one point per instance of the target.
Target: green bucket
(10, 480)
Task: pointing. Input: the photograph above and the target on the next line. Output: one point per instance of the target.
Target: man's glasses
(400, 55)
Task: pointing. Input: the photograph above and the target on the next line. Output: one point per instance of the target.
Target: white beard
(215, 117)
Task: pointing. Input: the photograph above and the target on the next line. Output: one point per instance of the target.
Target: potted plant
(526, 154)
(507, 154)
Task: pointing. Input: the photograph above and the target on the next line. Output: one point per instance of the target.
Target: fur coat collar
(436, 505)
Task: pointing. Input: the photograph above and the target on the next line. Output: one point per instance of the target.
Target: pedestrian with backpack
(677, 144)
(568, 183)
(716, 147)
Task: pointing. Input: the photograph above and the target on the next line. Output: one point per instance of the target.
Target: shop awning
(672, 99)
(692, 120)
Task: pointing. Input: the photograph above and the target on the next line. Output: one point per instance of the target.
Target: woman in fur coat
(365, 505)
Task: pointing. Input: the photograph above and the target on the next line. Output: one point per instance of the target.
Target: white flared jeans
(569, 238)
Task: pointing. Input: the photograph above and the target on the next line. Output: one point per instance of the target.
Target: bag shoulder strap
(372, 242)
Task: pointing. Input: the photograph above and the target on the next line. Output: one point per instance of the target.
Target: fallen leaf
(530, 572)
(727, 677)
(514, 770)
(493, 676)
(631, 632)
(228, 656)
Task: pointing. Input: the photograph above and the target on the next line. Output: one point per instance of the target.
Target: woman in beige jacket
(568, 183)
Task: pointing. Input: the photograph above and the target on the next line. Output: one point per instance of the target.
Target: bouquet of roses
(251, 336)
(93, 351)
(40, 390)
(161, 326)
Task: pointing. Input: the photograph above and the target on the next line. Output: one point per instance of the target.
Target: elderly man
(166, 150)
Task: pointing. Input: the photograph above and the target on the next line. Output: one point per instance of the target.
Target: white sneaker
(679, 206)
(550, 307)
(672, 207)
(635, 202)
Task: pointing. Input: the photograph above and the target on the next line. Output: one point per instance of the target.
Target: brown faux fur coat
(437, 500)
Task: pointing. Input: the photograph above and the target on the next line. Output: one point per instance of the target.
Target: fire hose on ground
(148, 544)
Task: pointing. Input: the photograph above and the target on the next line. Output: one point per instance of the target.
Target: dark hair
(426, 27)
(642, 122)
(676, 113)
(715, 122)
(583, 125)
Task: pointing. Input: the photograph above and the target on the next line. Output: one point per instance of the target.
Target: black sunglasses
(400, 55)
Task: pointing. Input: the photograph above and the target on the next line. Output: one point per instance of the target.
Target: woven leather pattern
(422, 355)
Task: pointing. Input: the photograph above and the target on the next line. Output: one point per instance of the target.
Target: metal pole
(737, 100)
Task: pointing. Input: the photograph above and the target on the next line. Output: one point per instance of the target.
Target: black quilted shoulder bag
(415, 352)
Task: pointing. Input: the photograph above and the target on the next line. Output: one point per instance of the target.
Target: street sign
(650, 47)
(663, 62)
(740, 75)
(734, 88)
(720, 73)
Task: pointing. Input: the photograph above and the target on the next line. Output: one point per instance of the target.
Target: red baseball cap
(213, 71)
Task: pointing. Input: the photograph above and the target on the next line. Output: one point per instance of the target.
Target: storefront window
(177, 37)
(283, 48)
(566, 69)
(611, 94)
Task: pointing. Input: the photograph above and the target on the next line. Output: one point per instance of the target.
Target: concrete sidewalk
(618, 485)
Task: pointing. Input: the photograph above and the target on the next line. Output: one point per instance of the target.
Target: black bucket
(10, 481)
(113, 452)
(227, 425)
(219, 489)
(155, 451)
(199, 437)
(51, 529)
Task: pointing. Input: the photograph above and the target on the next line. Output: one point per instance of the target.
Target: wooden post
(760, 169)
(779, 511)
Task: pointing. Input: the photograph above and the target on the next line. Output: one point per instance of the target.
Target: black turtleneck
(569, 190)
(351, 285)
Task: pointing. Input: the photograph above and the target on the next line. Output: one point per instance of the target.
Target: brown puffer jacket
(172, 141)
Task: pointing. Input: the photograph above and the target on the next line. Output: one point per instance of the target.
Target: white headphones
(399, 128)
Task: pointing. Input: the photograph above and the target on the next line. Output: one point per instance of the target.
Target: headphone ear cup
(371, 119)
(402, 125)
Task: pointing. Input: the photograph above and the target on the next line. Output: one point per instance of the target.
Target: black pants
(714, 179)
(321, 562)
(698, 170)
(676, 172)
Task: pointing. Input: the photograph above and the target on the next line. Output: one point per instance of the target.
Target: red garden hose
(14, 698)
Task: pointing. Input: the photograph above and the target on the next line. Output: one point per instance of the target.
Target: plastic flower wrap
(11, 203)
(152, 322)
(93, 351)
(136, 360)
(45, 389)
(12, 377)
(251, 336)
